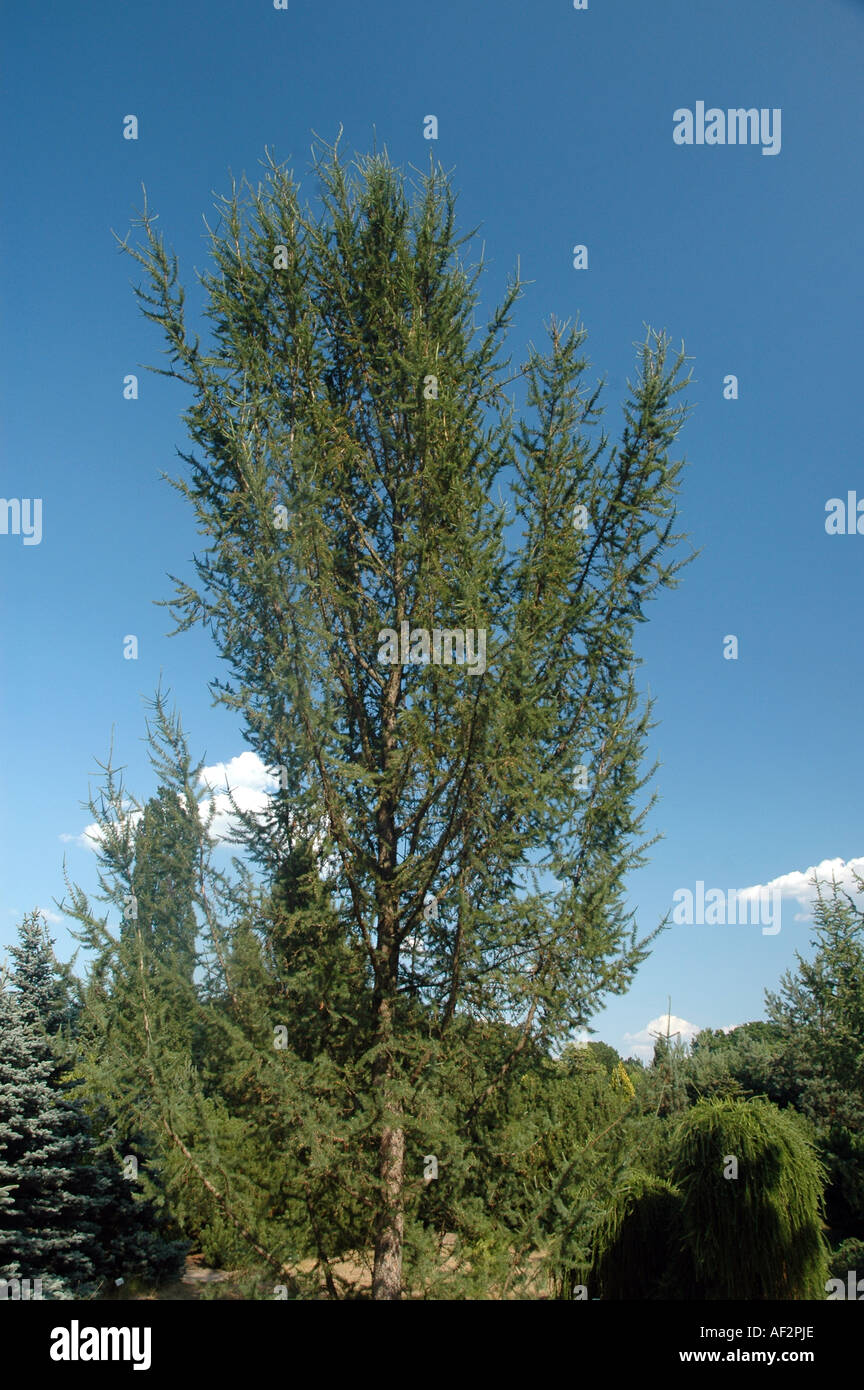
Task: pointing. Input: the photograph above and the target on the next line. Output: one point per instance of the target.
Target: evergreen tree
(743, 1062)
(163, 885)
(42, 985)
(820, 1010)
(360, 477)
(636, 1244)
(602, 1052)
(44, 1228)
(663, 1084)
(755, 1231)
(167, 1018)
(819, 1062)
(72, 1214)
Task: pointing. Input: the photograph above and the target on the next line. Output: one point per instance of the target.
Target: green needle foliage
(70, 1217)
(433, 858)
(636, 1244)
(701, 1233)
(818, 1013)
(809, 1056)
(44, 1218)
(758, 1235)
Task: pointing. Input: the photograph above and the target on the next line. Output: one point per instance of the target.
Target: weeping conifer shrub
(698, 1232)
(757, 1235)
(636, 1243)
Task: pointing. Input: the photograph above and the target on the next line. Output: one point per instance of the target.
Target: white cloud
(91, 835)
(252, 784)
(797, 886)
(50, 916)
(88, 839)
(246, 770)
(641, 1044)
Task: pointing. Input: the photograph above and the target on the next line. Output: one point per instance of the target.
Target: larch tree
(145, 1054)
(425, 604)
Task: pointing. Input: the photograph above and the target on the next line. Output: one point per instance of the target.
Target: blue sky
(558, 127)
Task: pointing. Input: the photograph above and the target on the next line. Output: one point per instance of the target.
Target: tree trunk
(387, 1270)
(387, 1274)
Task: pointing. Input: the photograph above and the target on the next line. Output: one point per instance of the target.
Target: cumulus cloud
(50, 916)
(246, 771)
(252, 784)
(88, 839)
(641, 1044)
(798, 887)
(91, 835)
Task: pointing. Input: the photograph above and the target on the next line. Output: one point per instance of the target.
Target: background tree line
(574, 1171)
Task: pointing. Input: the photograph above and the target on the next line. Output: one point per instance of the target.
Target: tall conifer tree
(364, 483)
